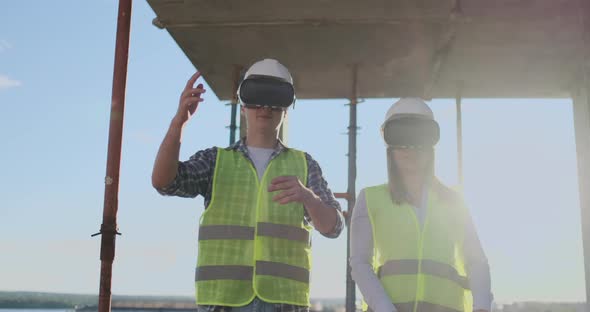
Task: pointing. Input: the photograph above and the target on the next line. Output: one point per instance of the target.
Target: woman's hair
(397, 188)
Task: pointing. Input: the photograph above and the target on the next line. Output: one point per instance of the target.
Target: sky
(56, 65)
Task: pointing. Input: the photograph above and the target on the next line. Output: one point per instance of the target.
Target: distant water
(68, 310)
(71, 310)
(36, 310)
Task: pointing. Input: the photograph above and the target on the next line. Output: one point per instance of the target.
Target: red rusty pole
(108, 229)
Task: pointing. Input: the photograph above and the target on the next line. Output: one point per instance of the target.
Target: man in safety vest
(261, 199)
(414, 247)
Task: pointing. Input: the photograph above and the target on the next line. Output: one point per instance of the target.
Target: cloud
(4, 45)
(6, 82)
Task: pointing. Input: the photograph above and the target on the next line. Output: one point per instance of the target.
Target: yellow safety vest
(250, 245)
(422, 268)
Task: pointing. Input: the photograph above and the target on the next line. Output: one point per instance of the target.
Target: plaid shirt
(195, 177)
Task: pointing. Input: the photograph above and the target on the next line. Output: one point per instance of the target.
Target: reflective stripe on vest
(250, 245)
(207, 232)
(421, 306)
(283, 231)
(407, 266)
(245, 273)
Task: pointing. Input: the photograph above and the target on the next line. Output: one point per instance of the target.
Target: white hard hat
(409, 107)
(270, 67)
(396, 130)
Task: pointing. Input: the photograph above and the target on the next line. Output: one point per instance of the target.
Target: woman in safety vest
(414, 247)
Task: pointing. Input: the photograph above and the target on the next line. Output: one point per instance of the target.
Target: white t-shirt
(260, 157)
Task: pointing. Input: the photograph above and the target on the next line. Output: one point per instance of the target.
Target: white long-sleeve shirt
(361, 255)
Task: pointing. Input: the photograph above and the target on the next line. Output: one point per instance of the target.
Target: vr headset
(411, 132)
(266, 91)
